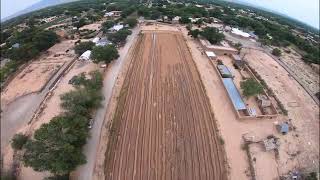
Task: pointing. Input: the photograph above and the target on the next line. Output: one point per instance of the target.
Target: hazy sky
(304, 10)
(9, 7)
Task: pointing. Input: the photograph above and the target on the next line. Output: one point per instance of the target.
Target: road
(19, 112)
(85, 171)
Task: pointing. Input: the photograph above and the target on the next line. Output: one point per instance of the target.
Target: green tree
(107, 25)
(212, 35)
(276, 52)
(105, 53)
(184, 20)
(56, 145)
(120, 36)
(81, 23)
(83, 46)
(194, 33)
(251, 87)
(18, 141)
(132, 22)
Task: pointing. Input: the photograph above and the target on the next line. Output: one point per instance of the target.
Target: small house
(175, 20)
(237, 61)
(211, 55)
(116, 27)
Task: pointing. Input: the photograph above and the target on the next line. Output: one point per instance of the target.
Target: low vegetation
(276, 52)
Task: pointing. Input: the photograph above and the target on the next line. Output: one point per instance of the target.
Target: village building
(239, 33)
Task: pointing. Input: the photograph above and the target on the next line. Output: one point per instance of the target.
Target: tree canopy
(18, 141)
(212, 35)
(83, 46)
(120, 36)
(107, 25)
(104, 53)
(132, 22)
(251, 87)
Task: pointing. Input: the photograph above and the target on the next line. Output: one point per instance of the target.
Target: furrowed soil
(163, 127)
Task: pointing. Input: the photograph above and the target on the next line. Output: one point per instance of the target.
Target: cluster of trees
(210, 33)
(30, 42)
(280, 35)
(57, 146)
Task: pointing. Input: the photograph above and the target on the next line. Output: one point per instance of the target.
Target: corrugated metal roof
(224, 71)
(234, 94)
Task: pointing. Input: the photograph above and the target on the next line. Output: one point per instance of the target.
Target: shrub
(132, 22)
(18, 141)
(212, 35)
(276, 52)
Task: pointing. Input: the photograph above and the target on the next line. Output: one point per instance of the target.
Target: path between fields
(85, 171)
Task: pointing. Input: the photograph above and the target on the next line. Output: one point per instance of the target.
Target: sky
(304, 10)
(9, 7)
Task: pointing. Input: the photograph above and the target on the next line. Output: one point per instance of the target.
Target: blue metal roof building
(234, 94)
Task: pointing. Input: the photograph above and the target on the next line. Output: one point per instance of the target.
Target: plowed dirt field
(163, 127)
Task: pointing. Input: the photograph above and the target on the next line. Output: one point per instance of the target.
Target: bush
(194, 33)
(18, 141)
(184, 20)
(251, 87)
(83, 46)
(106, 53)
(276, 52)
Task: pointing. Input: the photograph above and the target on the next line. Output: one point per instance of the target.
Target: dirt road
(163, 127)
(85, 171)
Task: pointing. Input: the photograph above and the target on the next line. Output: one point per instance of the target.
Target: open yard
(164, 127)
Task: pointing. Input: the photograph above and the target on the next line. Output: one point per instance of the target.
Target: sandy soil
(300, 149)
(93, 26)
(166, 127)
(231, 128)
(304, 71)
(37, 73)
(51, 109)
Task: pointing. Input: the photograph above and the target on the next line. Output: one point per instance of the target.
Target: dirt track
(163, 127)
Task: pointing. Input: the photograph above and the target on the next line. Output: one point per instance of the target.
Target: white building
(85, 56)
(116, 27)
(211, 55)
(240, 33)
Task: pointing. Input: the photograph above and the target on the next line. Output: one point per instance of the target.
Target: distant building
(218, 50)
(116, 27)
(239, 33)
(103, 42)
(113, 14)
(211, 55)
(16, 45)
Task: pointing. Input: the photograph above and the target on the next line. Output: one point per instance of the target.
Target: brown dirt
(164, 127)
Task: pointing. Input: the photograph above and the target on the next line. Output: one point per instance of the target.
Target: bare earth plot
(164, 127)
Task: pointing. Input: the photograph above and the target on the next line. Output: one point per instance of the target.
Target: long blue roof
(234, 94)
